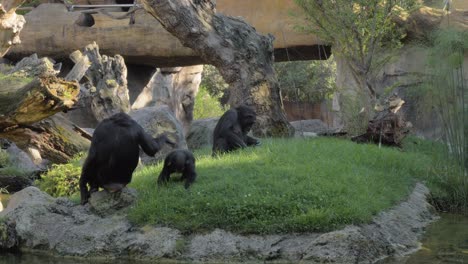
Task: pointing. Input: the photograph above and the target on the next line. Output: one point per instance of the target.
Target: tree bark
(244, 57)
(10, 24)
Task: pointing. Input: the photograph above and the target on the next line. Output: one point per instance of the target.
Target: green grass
(285, 185)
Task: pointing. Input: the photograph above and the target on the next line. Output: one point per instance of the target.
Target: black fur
(114, 154)
(182, 161)
(231, 130)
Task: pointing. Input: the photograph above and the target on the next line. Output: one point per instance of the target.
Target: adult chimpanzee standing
(114, 153)
(231, 130)
(179, 160)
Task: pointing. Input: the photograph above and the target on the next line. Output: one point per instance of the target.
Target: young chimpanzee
(114, 154)
(231, 130)
(182, 161)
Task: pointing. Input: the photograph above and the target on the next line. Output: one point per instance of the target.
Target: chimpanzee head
(246, 117)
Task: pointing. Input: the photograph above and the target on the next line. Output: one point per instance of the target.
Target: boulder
(36, 221)
(105, 203)
(201, 133)
(59, 226)
(311, 127)
(157, 121)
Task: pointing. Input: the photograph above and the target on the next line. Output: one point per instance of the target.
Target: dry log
(388, 127)
(105, 91)
(25, 110)
(37, 100)
(54, 138)
(243, 57)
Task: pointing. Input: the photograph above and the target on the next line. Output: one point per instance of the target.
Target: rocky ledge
(35, 221)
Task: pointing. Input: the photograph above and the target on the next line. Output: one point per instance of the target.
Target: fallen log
(388, 126)
(30, 100)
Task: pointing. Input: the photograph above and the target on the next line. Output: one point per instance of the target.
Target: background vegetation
(207, 105)
(445, 90)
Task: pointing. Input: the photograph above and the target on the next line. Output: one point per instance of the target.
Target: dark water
(445, 242)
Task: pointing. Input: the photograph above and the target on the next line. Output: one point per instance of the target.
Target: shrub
(4, 158)
(62, 179)
(206, 105)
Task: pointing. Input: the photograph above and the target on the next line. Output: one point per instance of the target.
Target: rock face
(34, 220)
(175, 87)
(201, 133)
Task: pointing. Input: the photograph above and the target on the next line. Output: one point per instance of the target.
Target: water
(445, 241)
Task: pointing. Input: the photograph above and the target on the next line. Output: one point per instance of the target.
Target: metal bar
(71, 8)
(100, 6)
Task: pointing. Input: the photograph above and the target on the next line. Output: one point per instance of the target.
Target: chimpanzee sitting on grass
(231, 130)
(114, 153)
(182, 161)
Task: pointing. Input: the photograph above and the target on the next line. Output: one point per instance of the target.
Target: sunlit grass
(285, 185)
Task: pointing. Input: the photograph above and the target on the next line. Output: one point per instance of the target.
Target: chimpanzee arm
(152, 145)
(87, 174)
(250, 141)
(235, 140)
(189, 173)
(149, 145)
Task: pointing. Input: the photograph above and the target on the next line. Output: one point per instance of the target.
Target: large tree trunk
(28, 111)
(10, 24)
(175, 87)
(243, 57)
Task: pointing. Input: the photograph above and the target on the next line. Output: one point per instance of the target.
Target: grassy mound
(285, 185)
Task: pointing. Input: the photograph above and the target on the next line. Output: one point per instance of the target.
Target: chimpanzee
(182, 161)
(231, 130)
(114, 153)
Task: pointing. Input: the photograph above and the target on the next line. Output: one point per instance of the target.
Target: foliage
(4, 158)
(214, 83)
(307, 81)
(446, 91)
(62, 179)
(8, 168)
(363, 35)
(285, 185)
(206, 105)
(14, 80)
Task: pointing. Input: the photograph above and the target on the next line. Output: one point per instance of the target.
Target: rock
(316, 126)
(8, 237)
(21, 159)
(156, 121)
(201, 133)
(105, 203)
(60, 227)
(175, 87)
(63, 228)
